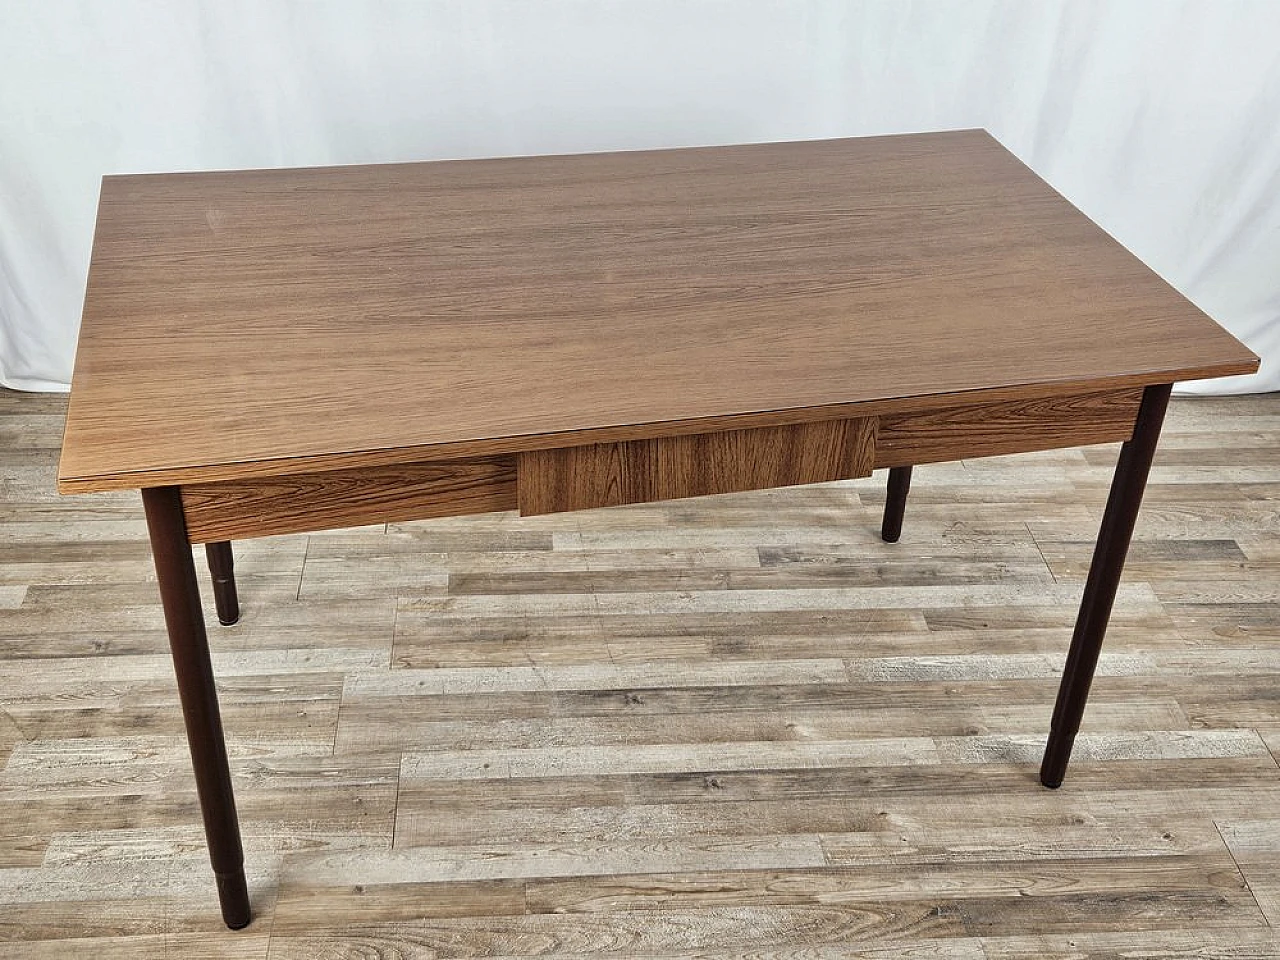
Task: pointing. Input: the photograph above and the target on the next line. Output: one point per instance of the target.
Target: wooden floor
(732, 727)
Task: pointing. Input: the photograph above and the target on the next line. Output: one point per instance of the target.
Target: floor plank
(716, 728)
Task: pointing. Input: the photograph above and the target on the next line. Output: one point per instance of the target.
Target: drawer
(668, 468)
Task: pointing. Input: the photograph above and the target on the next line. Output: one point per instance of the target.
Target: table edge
(522, 443)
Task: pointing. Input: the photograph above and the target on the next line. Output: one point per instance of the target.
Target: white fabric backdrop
(1160, 119)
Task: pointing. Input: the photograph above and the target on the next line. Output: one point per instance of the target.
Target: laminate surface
(253, 323)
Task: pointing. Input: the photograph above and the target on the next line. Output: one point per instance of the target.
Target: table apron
(1006, 426)
(584, 476)
(303, 502)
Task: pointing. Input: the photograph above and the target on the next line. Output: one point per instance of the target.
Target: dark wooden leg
(222, 570)
(895, 503)
(1104, 577)
(181, 597)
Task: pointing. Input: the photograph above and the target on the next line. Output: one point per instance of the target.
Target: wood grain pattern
(501, 446)
(342, 317)
(669, 468)
(1007, 426)
(238, 509)
(737, 725)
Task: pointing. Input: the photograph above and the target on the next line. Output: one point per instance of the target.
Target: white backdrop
(1160, 119)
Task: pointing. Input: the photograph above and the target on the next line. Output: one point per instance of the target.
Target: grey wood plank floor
(733, 727)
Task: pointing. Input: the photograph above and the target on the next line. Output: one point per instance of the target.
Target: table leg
(895, 503)
(1118, 520)
(222, 570)
(190, 647)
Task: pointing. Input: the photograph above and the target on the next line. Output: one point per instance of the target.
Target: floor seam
(1240, 870)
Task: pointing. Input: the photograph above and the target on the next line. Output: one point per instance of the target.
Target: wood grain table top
(257, 323)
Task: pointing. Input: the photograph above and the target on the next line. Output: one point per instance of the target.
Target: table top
(256, 323)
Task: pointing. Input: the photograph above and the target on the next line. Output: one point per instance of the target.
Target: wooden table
(278, 351)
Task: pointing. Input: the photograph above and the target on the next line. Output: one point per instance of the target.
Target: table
(280, 351)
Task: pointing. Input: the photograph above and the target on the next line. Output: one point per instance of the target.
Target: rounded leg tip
(890, 537)
(233, 895)
(1057, 755)
(229, 623)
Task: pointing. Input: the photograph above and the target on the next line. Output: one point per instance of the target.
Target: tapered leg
(190, 646)
(1104, 577)
(895, 503)
(222, 570)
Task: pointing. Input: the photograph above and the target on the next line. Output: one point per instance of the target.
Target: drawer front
(236, 509)
(668, 468)
(1007, 426)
